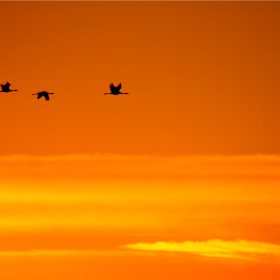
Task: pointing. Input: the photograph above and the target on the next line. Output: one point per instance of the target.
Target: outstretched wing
(112, 87)
(6, 86)
(46, 95)
(119, 87)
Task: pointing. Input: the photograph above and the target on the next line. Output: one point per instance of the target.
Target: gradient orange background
(194, 71)
(191, 155)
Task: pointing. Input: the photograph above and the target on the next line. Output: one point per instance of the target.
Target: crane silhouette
(115, 90)
(44, 94)
(6, 88)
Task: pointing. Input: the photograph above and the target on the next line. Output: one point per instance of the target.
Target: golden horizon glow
(218, 181)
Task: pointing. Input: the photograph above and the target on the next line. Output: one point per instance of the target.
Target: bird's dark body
(115, 90)
(44, 94)
(6, 88)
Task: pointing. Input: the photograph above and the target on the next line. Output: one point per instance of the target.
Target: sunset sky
(179, 179)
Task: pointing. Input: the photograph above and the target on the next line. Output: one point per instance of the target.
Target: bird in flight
(115, 90)
(44, 94)
(6, 88)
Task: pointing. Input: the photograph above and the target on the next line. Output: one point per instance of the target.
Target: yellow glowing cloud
(240, 249)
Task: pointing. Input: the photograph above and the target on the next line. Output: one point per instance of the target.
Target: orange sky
(194, 71)
(177, 180)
